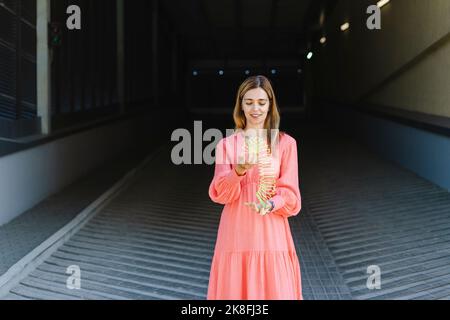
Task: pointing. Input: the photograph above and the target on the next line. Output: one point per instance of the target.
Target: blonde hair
(273, 115)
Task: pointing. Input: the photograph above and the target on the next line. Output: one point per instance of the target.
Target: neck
(253, 128)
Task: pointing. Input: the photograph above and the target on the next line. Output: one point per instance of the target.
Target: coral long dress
(255, 256)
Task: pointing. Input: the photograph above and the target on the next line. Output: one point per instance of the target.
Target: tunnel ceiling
(240, 28)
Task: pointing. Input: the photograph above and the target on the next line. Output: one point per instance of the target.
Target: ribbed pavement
(34, 226)
(371, 212)
(153, 241)
(156, 239)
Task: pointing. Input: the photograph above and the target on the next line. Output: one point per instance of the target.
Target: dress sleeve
(226, 184)
(287, 201)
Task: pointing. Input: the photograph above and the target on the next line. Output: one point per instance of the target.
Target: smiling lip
(256, 115)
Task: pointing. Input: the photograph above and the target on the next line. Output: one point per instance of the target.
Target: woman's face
(255, 105)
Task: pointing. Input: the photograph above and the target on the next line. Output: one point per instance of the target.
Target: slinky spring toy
(256, 146)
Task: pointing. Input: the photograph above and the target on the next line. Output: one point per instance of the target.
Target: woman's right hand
(241, 168)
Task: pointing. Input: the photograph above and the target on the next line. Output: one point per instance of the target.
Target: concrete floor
(155, 240)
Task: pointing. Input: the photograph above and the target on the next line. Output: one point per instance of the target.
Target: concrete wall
(425, 153)
(31, 175)
(425, 87)
(403, 65)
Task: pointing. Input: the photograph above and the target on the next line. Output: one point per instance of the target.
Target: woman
(255, 257)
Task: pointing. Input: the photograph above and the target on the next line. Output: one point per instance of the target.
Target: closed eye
(261, 102)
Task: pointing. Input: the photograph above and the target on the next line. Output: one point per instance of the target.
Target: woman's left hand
(262, 210)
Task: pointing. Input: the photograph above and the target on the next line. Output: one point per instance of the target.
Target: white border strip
(38, 255)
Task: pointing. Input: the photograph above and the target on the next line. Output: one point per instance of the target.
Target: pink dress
(255, 257)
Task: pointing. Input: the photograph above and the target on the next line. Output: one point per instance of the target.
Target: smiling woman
(255, 256)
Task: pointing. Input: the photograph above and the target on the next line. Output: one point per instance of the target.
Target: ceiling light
(310, 55)
(323, 40)
(345, 26)
(382, 3)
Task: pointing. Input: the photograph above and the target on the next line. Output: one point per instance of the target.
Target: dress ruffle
(255, 275)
